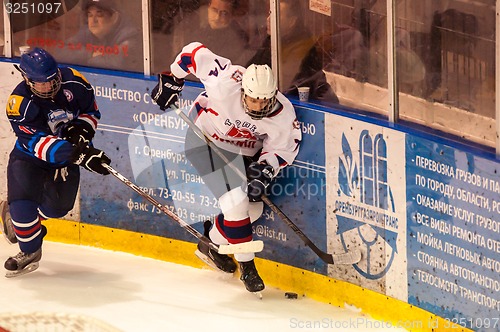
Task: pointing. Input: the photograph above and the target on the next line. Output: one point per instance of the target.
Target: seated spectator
(108, 39)
(215, 26)
(298, 46)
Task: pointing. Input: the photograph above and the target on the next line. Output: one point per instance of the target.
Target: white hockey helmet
(258, 91)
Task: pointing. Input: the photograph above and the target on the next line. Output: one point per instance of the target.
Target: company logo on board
(365, 208)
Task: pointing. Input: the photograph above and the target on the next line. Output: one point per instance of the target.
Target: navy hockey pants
(33, 190)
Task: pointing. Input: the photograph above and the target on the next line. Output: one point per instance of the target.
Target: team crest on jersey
(14, 105)
(241, 133)
(57, 118)
(237, 76)
(68, 94)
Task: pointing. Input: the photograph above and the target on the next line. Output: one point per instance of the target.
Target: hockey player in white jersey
(252, 124)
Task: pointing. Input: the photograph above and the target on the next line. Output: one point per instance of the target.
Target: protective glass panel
(104, 34)
(326, 46)
(446, 60)
(234, 29)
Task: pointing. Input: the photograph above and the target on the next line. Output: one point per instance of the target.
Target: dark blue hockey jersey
(37, 122)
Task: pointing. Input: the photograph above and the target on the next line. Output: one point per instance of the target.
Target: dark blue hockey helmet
(41, 72)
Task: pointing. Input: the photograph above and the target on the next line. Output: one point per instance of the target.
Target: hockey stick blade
(241, 248)
(348, 258)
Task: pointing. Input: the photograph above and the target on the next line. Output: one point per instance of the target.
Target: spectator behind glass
(215, 26)
(108, 40)
(298, 46)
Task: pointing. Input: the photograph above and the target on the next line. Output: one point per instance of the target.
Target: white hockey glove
(166, 92)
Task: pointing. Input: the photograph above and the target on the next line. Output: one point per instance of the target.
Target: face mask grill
(258, 114)
(45, 90)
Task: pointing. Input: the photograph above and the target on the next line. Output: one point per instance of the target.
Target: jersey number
(215, 72)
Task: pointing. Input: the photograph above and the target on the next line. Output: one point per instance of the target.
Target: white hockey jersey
(219, 112)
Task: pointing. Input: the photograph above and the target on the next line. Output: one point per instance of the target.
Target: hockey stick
(253, 246)
(351, 257)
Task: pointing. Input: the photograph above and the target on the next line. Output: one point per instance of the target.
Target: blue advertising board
(146, 145)
(453, 214)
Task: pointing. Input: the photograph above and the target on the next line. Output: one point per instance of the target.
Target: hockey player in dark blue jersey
(54, 115)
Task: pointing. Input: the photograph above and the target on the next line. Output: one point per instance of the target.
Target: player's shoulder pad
(16, 106)
(69, 73)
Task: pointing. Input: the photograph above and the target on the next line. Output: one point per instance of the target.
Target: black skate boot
(22, 263)
(250, 277)
(213, 258)
(6, 221)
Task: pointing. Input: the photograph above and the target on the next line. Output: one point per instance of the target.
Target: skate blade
(28, 269)
(209, 262)
(258, 295)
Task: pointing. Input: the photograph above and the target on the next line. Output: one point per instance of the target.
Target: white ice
(134, 293)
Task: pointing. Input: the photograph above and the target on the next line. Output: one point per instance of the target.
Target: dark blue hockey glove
(259, 176)
(166, 92)
(78, 133)
(91, 159)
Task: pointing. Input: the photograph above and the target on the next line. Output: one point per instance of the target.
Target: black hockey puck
(291, 295)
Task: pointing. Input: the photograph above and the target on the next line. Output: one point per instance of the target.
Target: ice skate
(217, 261)
(251, 278)
(22, 263)
(6, 221)
(212, 258)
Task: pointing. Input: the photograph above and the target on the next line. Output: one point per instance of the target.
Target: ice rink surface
(133, 293)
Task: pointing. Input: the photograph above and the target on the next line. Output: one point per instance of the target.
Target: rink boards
(424, 212)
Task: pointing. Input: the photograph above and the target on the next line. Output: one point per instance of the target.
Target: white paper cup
(24, 49)
(303, 93)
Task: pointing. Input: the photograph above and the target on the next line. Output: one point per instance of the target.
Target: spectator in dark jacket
(298, 48)
(108, 40)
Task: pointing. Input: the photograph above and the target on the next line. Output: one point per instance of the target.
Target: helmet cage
(261, 113)
(35, 86)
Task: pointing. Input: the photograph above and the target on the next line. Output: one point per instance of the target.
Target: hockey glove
(259, 177)
(91, 159)
(166, 92)
(78, 133)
